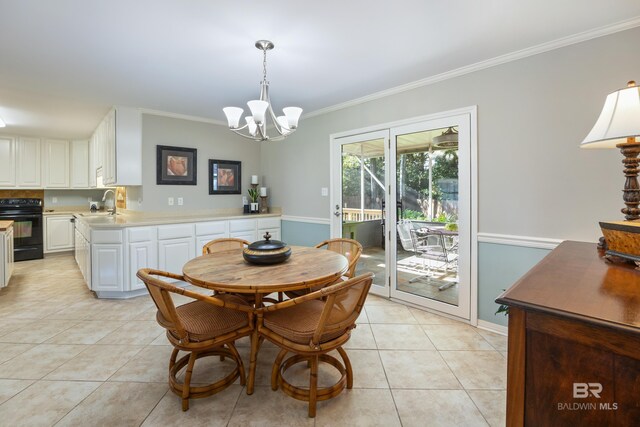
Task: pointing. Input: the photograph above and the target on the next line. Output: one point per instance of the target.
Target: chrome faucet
(104, 197)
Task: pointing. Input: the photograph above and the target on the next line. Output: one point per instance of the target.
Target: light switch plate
(170, 200)
(324, 191)
(180, 201)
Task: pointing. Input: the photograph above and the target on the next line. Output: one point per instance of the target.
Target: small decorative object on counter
(267, 251)
(264, 205)
(253, 196)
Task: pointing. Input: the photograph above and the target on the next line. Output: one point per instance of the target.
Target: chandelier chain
(264, 65)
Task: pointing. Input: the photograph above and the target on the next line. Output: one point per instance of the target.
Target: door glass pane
(427, 228)
(363, 187)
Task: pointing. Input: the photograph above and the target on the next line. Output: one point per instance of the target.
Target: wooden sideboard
(574, 342)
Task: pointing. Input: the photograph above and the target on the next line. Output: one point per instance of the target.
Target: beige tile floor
(69, 359)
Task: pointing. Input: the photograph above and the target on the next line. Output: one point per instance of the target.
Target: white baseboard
(492, 327)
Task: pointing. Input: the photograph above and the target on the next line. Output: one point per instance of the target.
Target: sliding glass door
(360, 198)
(432, 194)
(405, 193)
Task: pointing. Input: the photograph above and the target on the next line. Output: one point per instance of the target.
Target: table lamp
(618, 127)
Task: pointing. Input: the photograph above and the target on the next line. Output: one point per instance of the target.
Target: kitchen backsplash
(54, 198)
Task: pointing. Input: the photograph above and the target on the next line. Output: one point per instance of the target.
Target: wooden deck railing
(357, 215)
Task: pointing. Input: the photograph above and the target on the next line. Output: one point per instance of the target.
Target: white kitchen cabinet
(243, 229)
(208, 231)
(6, 256)
(176, 246)
(107, 268)
(55, 163)
(28, 164)
(8, 156)
(143, 253)
(59, 233)
(79, 164)
(271, 225)
(173, 254)
(117, 143)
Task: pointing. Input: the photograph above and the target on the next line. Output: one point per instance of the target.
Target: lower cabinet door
(59, 233)
(173, 254)
(141, 255)
(249, 236)
(203, 240)
(106, 267)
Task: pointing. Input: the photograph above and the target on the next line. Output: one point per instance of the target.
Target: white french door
(405, 192)
(359, 168)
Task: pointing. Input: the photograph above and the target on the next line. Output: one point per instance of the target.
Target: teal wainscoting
(304, 233)
(499, 267)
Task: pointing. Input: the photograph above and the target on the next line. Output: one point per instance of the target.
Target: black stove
(27, 226)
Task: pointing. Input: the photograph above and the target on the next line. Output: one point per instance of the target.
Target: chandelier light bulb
(258, 109)
(233, 116)
(252, 125)
(293, 115)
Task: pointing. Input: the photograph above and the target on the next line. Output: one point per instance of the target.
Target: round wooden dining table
(227, 271)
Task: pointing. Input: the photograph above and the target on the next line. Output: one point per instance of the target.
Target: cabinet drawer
(208, 228)
(106, 236)
(175, 231)
(142, 234)
(268, 223)
(237, 225)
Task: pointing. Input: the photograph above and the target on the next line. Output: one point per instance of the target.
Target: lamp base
(622, 241)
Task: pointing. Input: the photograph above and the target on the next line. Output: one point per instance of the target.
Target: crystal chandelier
(256, 124)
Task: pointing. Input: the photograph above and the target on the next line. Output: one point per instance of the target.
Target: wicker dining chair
(224, 244)
(311, 326)
(207, 326)
(352, 249)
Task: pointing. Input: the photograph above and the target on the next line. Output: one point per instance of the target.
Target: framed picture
(176, 165)
(224, 177)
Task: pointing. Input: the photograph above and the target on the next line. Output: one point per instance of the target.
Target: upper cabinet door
(79, 164)
(28, 163)
(8, 156)
(55, 163)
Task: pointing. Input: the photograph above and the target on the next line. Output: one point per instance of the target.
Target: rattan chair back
(352, 249)
(224, 244)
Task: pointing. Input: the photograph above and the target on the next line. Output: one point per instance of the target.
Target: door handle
(337, 213)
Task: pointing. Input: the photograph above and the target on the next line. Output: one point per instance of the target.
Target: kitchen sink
(97, 214)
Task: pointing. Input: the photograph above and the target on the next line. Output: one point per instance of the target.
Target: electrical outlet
(180, 201)
(170, 200)
(54, 200)
(324, 191)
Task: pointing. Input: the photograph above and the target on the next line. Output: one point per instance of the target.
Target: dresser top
(573, 280)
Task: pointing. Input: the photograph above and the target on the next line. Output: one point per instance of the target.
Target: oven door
(27, 229)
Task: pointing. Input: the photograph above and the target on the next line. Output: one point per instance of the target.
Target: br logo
(583, 390)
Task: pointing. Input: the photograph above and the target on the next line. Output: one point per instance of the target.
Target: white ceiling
(63, 63)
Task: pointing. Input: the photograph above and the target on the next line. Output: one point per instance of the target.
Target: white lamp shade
(252, 125)
(254, 179)
(258, 109)
(293, 115)
(284, 125)
(619, 120)
(233, 116)
(263, 191)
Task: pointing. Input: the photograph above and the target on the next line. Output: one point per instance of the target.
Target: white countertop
(141, 219)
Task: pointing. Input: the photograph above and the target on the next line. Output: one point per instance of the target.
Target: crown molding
(182, 116)
(498, 60)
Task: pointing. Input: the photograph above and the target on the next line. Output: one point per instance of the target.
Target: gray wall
(533, 179)
(70, 197)
(532, 115)
(212, 142)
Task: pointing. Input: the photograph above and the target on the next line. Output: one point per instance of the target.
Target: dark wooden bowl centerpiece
(267, 251)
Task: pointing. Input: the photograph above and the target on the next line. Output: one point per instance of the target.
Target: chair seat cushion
(204, 321)
(298, 323)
